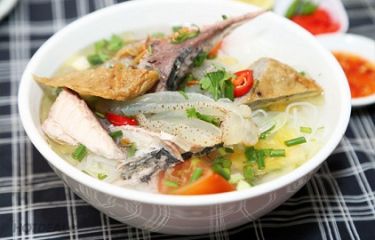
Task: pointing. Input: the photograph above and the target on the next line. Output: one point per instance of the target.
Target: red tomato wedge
(208, 183)
(243, 82)
(119, 120)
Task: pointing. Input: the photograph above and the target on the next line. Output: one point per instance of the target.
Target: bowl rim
(174, 200)
(354, 40)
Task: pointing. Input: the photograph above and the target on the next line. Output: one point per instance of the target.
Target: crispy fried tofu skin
(277, 82)
(116, 83)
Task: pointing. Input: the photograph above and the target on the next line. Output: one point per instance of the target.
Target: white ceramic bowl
(269, 35)
(6, 6)
(334, 7)
(352, 43)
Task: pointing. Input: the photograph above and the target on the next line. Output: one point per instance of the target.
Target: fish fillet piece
(116, 83)
(174, 61)
(71, 121)
(275, 82)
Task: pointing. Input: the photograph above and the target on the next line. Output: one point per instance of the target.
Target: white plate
(357, 44)
(6, 6)
(334, 7)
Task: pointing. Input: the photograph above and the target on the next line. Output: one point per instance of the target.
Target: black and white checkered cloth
(338, 202)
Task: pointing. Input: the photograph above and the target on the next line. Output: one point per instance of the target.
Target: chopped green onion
(225, 150)
(295, 141)
(222, 151)
(266, 133)
(224, 17)
(116, 134)
(102, 176)
(222, 167)
(193, 113)
(199, 59)
(84, 171)
(97, 58)
(305, 130)
(184, 94)
(183, 33)
(79, 153)
(229, 150)
(132, 149)
(277, 153)
(196, 174)
(260, 159)
(248, 173)
(170, 184)
(224, 172)
(226, 163)
(302, 73)
(250, 154)
(100, 115)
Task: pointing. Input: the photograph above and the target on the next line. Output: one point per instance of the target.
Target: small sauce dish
(355, 45)
(334, 8)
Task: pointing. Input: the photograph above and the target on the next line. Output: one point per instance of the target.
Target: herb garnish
(105, 49)
(102, 176)
(193, 113)
(222, 166)
(301, 7)
(132, 149)
(266, 133)
(199, 59)
(218, 84)
(181, 34)
(79, 153)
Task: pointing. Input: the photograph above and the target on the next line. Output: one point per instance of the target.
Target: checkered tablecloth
(338, 202)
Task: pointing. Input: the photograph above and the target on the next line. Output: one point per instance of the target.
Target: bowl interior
(267, 36)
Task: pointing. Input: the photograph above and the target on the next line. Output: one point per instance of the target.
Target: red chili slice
(243, 82)
(119, 120)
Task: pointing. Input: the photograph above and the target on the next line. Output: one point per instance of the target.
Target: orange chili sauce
(318, 22)
(359, 71)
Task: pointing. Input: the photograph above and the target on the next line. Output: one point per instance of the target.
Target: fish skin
(155, 152)
(116, 83)
(173, 61)
(277, 82)
(71, 118)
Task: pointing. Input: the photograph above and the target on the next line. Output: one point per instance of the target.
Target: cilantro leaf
(105, 49)
(218, 84)
(199, 59)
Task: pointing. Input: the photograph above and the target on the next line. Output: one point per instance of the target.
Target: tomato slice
(243, 82)
(119, 120)
(208, 183)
